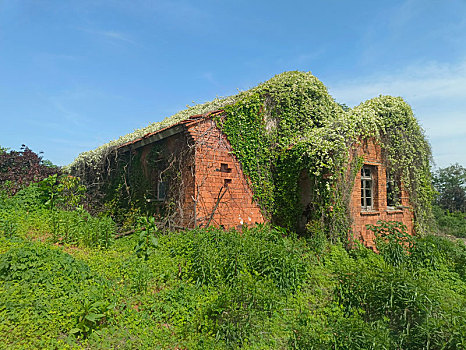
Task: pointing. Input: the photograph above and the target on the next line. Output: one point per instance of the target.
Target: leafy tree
(20, 168)
(450, 183)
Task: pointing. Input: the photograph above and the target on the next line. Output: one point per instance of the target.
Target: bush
(18, 169)
(392, 241)
(450, 223)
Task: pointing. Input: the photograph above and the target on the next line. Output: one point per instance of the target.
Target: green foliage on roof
(289, 127)
(94, 158)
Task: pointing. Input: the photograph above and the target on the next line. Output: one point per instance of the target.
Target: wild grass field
(67, 283)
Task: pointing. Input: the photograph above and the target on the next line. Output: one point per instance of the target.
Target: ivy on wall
(290, 125)
(288, 129)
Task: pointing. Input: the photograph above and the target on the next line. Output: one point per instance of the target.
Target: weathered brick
(205, 179)
(373, 156)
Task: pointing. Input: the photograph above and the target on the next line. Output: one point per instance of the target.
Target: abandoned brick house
(216, 192)
(189, 175)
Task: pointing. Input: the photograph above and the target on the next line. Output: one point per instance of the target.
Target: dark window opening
(224, 168)
(161, 190)
(367, 187)
(393, 192)
(226, 182)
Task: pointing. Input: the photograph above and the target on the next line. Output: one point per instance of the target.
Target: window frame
(365, 179)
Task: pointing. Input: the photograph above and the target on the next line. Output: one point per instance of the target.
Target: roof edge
(168, 131)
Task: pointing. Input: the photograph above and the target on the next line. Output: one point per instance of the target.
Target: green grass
(210, 289)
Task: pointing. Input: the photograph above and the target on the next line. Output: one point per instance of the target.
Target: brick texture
(222, 195)
(214, 190)
(373, 156)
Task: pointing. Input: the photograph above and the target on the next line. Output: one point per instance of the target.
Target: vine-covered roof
(290, 123)
(284, 81)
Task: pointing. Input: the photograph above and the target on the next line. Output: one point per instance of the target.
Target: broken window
(393, 191)
(367, 187)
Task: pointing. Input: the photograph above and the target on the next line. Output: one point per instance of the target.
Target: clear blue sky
(76, 74)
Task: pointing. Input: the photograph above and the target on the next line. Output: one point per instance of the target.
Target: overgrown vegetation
(68, 281)
(450, 201)
(52, 209)
(290, 128)
(211, 289)
(65, 282)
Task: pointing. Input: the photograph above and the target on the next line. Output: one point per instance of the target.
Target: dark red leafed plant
(20, 168)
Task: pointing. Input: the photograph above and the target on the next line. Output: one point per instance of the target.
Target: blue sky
(76, 74)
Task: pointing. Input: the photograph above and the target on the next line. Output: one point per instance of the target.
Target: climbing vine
(290, 128)
(405, 149)
(289, 132)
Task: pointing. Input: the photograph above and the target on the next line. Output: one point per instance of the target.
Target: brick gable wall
(222, 194)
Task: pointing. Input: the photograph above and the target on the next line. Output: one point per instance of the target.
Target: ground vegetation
(82, 287)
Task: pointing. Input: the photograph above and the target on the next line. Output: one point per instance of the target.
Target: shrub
(392, 241)
(147, 241)
(63, 192)
(20, 168)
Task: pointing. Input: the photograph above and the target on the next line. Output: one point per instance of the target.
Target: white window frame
(367, 184)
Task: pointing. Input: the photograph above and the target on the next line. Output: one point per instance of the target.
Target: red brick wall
(209, 171)
(213, 180)
(373, 156)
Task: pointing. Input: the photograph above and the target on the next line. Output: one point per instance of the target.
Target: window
(161, 190)
(393, 192)
(367, 187)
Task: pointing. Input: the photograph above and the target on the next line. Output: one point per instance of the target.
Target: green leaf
(94, 317)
